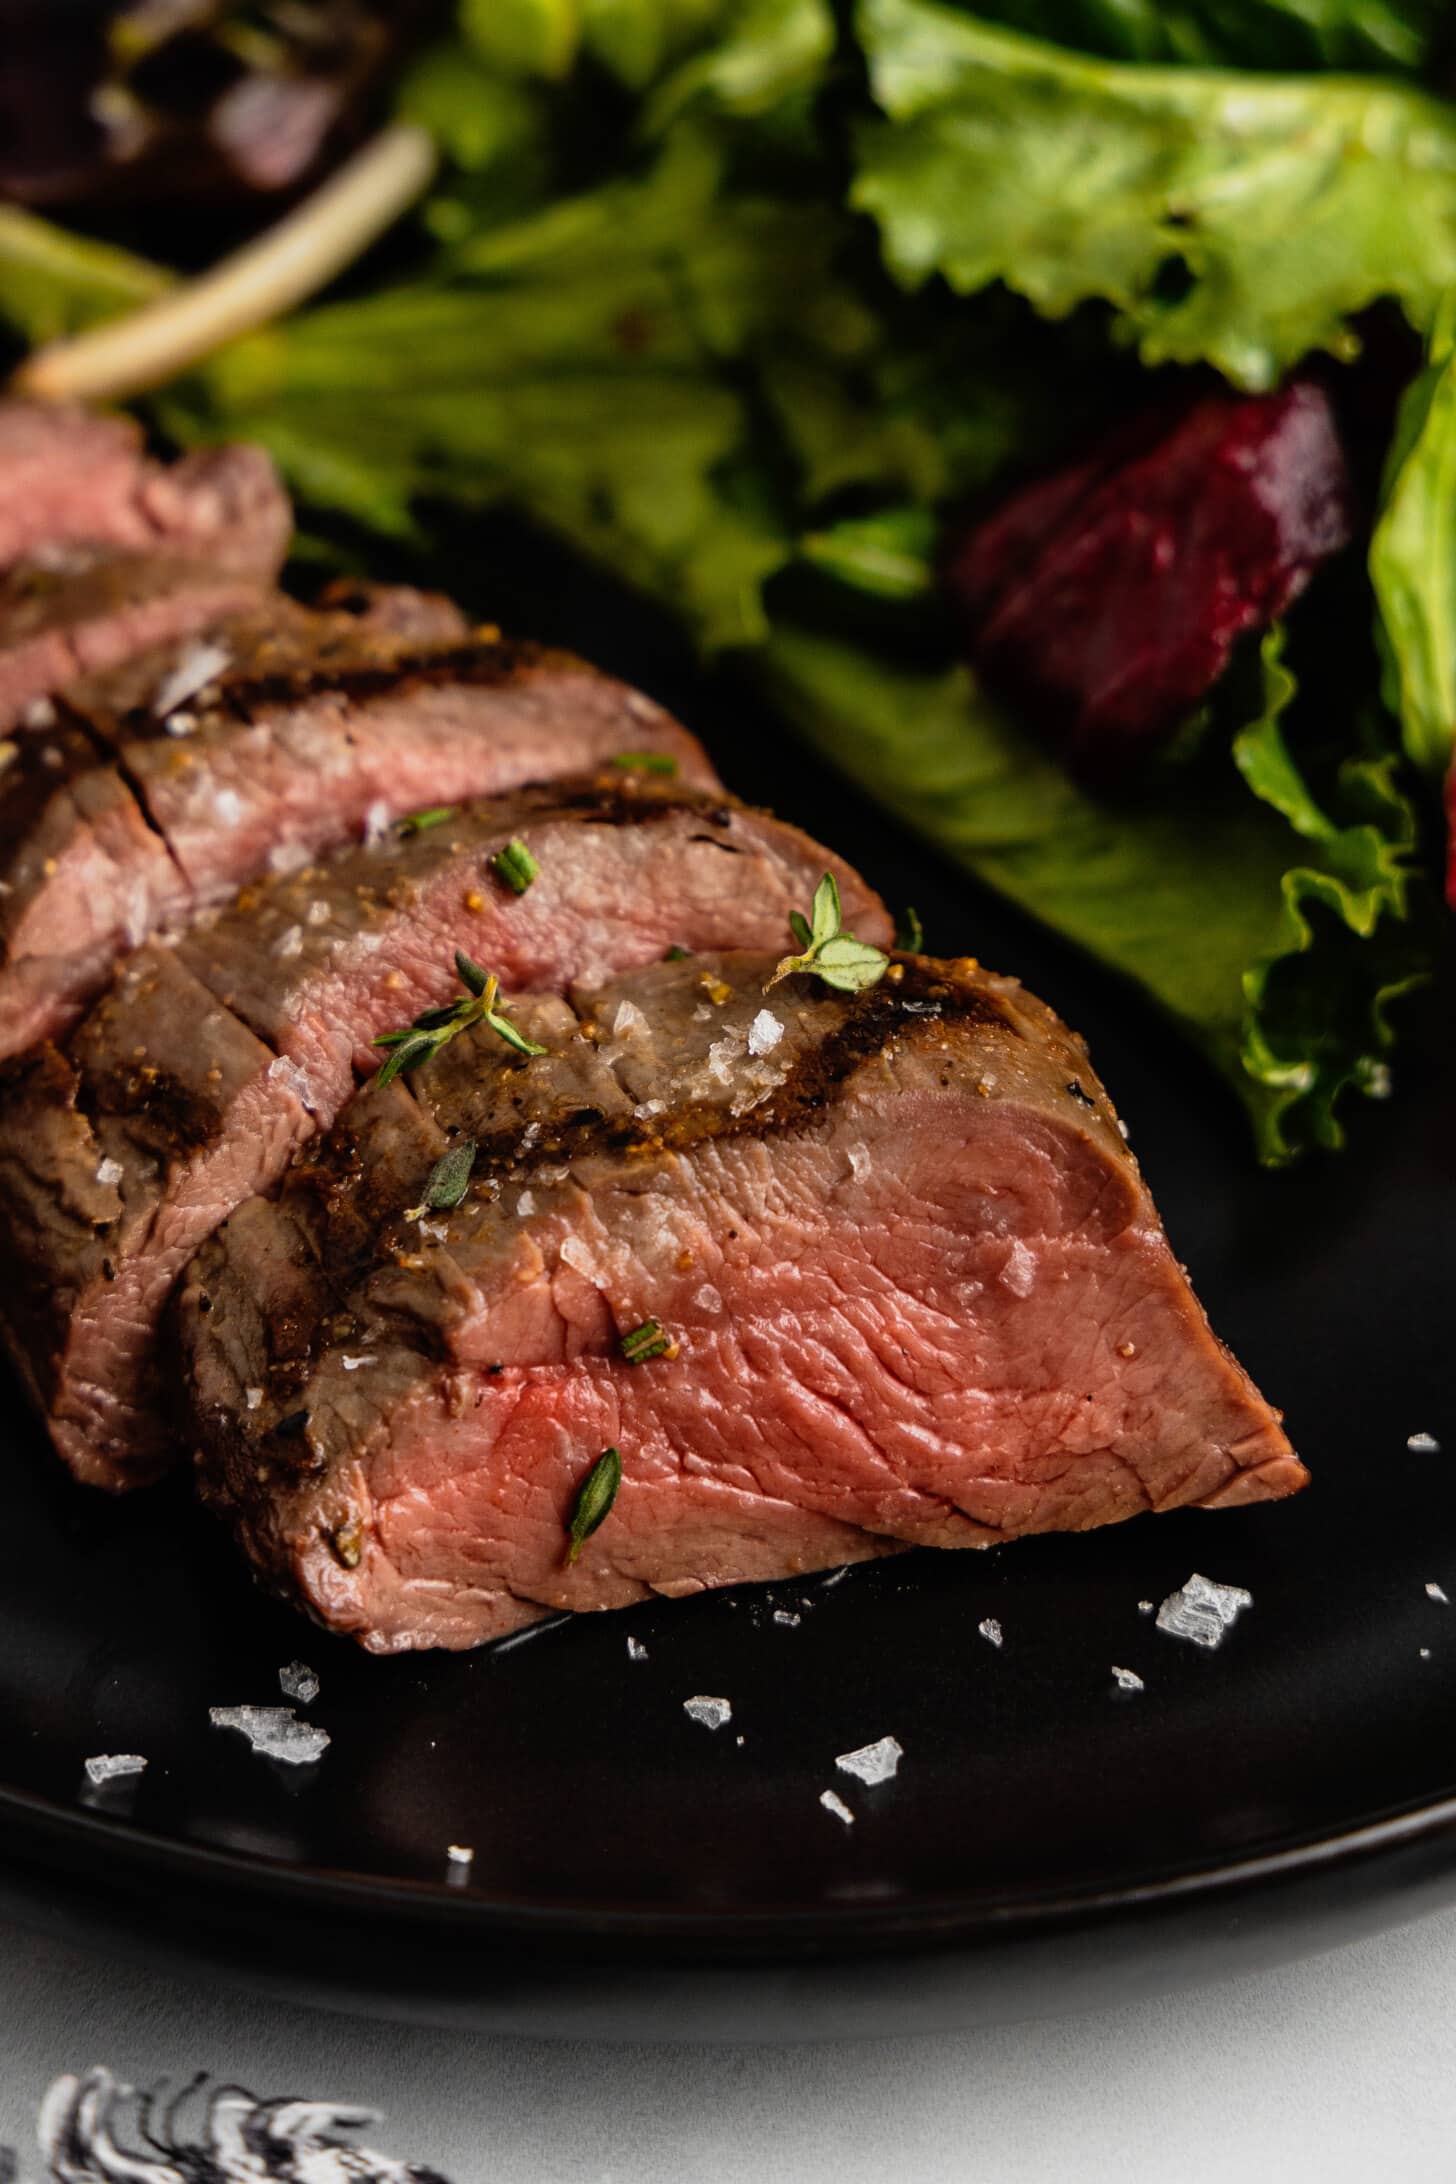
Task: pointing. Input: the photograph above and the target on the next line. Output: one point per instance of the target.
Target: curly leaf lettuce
(1397, 36)
(1234, 220)
(1413, 558)
(1273, 935)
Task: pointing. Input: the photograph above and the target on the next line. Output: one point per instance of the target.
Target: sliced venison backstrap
(189, 1086)
(910, 1285)
(150, 799)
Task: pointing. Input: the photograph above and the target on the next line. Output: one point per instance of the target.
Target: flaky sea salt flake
(1019, 1272)
(299, 1681)
(1202, 1611)
(196, 667)
(636, 1651)
(764, 1033)
(1127, 1679)
(275, 1732)
(1438, 1592)
(712, 1713)
(1423, 1444)
(109, 1171)
(990, 1630)
(833, 1802)
(111, 1766)
(787, 1617)
(873, 1763)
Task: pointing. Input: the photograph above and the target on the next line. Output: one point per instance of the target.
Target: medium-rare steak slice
(70, 477)
(142, 806)
(888, 1272)
(209, 1061)
(101, 610)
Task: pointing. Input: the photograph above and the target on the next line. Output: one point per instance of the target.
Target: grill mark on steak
(883, 1353)
(184, 822)
(213, 1058)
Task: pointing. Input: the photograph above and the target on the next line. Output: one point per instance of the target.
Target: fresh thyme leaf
(448, 1181)
(594, 1502)
(422, 1039)
(647, 1341)
(658, 762)
(420, 822)
(827, 951)
(471, 974)
(515, 866)
(909, 932)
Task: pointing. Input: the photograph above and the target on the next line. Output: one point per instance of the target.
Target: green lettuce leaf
(1230, 219)
(1272, 934)
(53, 283)
(1389, 35)
(1413, 558)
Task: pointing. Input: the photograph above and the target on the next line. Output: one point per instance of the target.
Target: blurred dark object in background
(190, 102)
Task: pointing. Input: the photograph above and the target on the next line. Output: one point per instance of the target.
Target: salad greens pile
(744, 297)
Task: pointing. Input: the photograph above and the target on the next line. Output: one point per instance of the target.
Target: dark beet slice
(1107, 598)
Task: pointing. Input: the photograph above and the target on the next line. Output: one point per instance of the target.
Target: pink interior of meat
(901, 1329)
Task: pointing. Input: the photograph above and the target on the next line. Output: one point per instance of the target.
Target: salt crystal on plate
(1019, 1273)
(299, 1681)
(284, 1071)
(111, 1766)
(460, 1854)
(990, 1630)
(629, 1018)
(286, 858)
(376, 824)
(40, 713)
(1436, 1592)
(180, 724)
(289, 944)
(575, 1254)
(712, 1713)
(764, 1033)
(858, 1157)
(275, 1732)
(1127, 1679)
(707, 1299)
(356, 1364)
(636, 1651)
(1425, 1653)
(253, 1397)
(228, 808)
(832, 1802)
(1423, 1444)
(109, 1171)
(787, 1618)
(526, 1204)
(1202, 1611)
(318, 913)
(873, 1762)
(1145, 1607)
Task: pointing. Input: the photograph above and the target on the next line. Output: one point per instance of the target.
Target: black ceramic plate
(1047, 1836)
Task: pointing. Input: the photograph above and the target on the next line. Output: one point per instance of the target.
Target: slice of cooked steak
(71, 477)
(165, 797)
(211, 1060)
(912, 1288)
(100, 611)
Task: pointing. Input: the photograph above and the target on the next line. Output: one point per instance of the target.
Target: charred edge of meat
(362, 1220)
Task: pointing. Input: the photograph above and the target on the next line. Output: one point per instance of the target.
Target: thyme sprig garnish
(420, 822)
(422, 1039)
(828, 952)
(657, 762)
(593, 1504)
(647, 1341)
(515, 866)
(447, 1182)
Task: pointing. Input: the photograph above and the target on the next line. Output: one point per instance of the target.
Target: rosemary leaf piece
(593, 1505)
(909, 932)
(658, 762)
(647, 1341)
(515, 866)
(447, 1183)
(420, 822)
(420, 1041)
(826, 950)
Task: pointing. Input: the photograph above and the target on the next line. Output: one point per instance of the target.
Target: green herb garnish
(909, 932)
(846, 964)
(676, 955)
(420, 822)
(648, 1340)
(593, 1505)
(447, 1183)
(515, 865)
(659, 762)
(422, 1039)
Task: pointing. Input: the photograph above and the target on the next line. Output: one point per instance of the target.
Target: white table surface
(1340, 2068)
